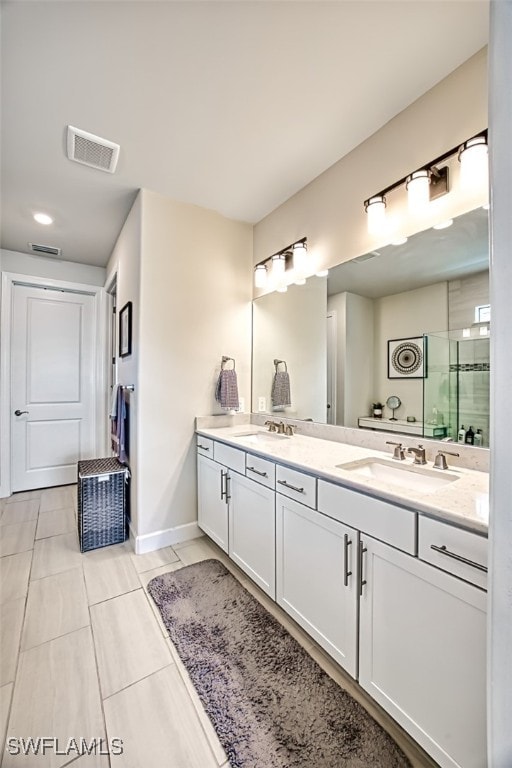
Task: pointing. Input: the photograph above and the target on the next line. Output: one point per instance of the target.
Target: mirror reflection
(408, 321)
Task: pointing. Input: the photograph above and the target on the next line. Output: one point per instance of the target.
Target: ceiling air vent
(92, 150)
(48, 250)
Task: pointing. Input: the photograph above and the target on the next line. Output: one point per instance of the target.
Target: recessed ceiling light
(443, 224)
(43, 218)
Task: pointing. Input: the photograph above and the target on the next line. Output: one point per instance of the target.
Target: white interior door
(52, 385)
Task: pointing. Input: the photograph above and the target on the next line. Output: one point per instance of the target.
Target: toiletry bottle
(479, 438)
(470, 437)
(434, 416)
(461, 435)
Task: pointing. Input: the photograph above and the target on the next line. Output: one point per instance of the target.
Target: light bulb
(278, 271)
(260, 276)
(474, 163)
(418, 190)
(375, 208)
(322, 273)
(300, 258)
(443, 224)
(399, 240)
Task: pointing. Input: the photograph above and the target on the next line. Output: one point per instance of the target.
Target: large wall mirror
(409, 321)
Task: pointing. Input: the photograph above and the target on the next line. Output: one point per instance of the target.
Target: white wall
(500, 595)
(355, 356)
(463, 296)
(330, 212)
(125, 262)
(291, 326)
(41, 266)
(195, 306)
(404, 315)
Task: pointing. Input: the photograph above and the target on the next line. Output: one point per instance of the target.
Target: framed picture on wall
(406, 358)
(125, 330)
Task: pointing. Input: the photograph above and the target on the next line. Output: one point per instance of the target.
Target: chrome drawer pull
(291, 487)
(443, 551)
(222, 491)
(346, 544)
(257, 472)
(203, 447)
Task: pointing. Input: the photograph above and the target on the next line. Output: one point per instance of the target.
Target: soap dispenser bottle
(461, 435)
(479, 438)
(470, 436)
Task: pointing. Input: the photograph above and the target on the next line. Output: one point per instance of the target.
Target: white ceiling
(233, 106)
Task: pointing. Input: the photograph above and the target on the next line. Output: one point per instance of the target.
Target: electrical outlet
(262, 404)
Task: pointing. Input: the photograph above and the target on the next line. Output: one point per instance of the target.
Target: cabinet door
(316, 583)
(422, 653)
(212, 508)
(252, 531)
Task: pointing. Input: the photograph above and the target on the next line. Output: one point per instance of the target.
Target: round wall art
(406, 358)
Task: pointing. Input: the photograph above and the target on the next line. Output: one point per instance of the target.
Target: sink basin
(258, 436)
(415, 478)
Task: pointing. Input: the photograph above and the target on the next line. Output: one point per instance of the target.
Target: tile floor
(84, 653)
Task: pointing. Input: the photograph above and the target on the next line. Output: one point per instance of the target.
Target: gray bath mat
(271, 705)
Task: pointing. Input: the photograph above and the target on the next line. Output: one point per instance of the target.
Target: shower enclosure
(456, 383)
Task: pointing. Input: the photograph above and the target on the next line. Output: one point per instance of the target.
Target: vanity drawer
(452, 549)
(387, 522)
(296, 485)
(230, 457)
(261, 470)
(204, 446)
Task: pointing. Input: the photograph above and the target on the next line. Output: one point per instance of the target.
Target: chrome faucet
(440, 460)
(419, 454)
(280, 428)
(290, 429)
(272, 426)
(398, 452)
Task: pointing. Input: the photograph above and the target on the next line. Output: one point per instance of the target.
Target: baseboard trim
(149, 542)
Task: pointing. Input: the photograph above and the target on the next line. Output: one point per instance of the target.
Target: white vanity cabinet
(212, 507)
(422, 649)
(252, 531)
(316, 578)
(396, 598)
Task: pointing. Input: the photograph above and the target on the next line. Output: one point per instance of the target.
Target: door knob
(19, 413)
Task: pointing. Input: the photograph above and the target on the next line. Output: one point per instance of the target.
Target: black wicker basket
(102, 491)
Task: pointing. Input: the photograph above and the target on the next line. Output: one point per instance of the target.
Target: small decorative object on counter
(461, 435)
(479, 438)
(411, 419)
(377, 410)
(393, 402)
(470, 437)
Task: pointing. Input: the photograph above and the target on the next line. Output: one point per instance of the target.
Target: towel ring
(225, 360)
(281, 362)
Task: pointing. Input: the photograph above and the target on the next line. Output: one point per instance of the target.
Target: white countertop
(464, 502)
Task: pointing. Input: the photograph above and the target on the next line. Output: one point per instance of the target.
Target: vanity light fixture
(284, 267)
(300, 265)
(398, 240)
(432, 181)
(417, 185)
(322, 273)
(474, 161)
(375, 207)
(260, 276)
